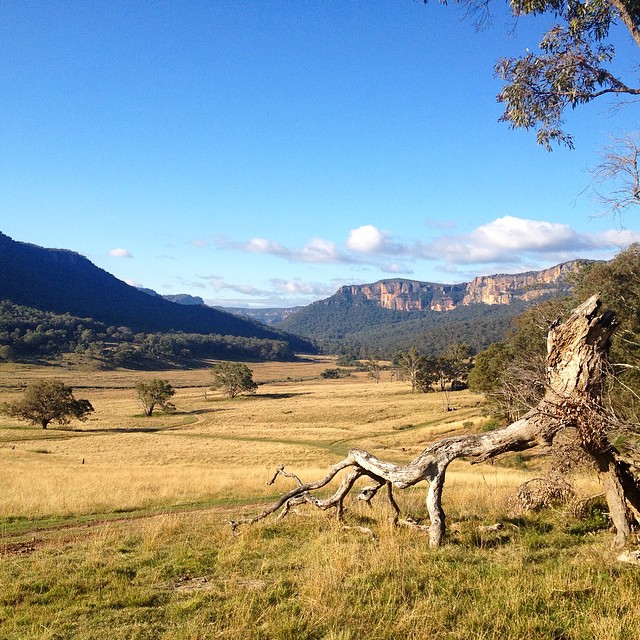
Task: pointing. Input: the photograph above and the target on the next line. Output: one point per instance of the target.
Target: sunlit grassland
(128, 517)
(212, 448)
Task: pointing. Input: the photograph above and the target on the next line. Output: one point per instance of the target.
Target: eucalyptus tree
(155, 392)
(233, 378)
(47, 401)
(573, 66)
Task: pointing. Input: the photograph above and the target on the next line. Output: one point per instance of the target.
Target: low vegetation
(118, 527)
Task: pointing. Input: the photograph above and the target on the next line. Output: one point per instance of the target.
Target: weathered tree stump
(577, 354)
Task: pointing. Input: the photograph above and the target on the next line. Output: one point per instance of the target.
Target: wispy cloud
(316, 250)
(508, 243)
(296, 287)
(442, 224)
(220, 284)
(395, 268)
(199, 243)
(119, 253)
(278, 293)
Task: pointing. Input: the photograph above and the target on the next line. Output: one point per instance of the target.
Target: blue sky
(265, 152)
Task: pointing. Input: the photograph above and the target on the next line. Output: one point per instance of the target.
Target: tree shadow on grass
(131, 429)
(148, 428)
(279, 396)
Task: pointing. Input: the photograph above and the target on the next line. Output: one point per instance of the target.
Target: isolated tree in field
(374, 368)
(233, 378)
(458, 356)
(155, 392)
(427, 374)
(410, 362)
(48, 401)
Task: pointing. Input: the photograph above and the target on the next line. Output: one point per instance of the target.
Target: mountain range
(391, 314)
(384, 316)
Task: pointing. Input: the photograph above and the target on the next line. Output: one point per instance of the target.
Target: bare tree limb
(576, 365)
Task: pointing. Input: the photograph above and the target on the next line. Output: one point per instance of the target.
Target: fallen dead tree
(577, 355)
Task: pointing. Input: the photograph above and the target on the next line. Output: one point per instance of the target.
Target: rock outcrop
(411, 295)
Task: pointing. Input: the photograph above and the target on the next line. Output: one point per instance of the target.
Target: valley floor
(118, 527)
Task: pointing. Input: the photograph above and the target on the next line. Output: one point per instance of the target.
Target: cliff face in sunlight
(411, 295)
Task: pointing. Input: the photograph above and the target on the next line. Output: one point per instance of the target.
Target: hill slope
(63, 281)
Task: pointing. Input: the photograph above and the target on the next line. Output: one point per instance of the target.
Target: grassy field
(118, 527)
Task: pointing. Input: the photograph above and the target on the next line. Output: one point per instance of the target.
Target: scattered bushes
(334, 374)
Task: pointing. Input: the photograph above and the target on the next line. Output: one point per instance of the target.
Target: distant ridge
(270, 316)
(180, 298)
(391, 314)
(399, 294)
(63, 281)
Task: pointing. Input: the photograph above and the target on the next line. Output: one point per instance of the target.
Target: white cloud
(279, 293)
(317, 250)
(262, 245)
(506, 244)
(619, 238)
(220, 284)
(511, 242)
(120, 253)
(518, 234)
(366, 239)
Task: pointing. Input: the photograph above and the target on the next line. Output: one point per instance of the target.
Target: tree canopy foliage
(155, 392)
(233, 378)
(412, 363)
(48, 401)
(27, 333)
(340, 327)
(573, 66)
(448, 371)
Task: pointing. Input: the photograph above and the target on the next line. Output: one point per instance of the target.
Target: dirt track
(57, 535)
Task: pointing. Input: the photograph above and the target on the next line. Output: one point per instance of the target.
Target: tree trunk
(577, 352)
(614, 492)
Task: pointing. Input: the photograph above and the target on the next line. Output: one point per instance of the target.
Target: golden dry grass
(212, 447)
(180, 573)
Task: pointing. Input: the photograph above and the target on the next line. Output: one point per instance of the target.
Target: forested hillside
(367, 328)
(64, 282)
(27, 334)
(387, 316)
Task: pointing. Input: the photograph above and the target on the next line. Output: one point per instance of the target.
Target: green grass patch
(185, 576)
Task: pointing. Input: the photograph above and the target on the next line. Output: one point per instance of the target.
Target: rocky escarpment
(411, 295)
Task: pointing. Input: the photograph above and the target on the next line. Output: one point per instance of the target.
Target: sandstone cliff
(411, 295)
